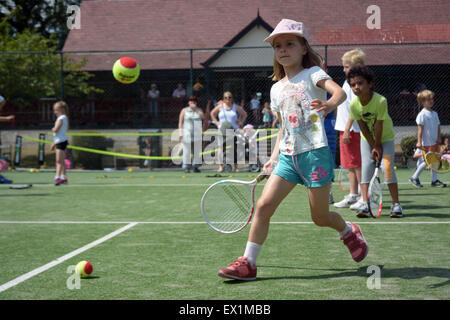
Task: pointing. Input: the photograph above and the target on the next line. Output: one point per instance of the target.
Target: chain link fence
(401, 70)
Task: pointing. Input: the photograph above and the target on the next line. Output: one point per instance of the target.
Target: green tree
(35, 72)
(47, 17)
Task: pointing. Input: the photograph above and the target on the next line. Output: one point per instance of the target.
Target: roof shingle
(175, 24)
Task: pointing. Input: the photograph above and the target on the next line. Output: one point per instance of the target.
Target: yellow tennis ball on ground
(126, 70)
(130, 169)
(31, 170)
(84, 269)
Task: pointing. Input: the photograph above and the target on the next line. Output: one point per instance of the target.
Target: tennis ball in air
(84, 269)
(395, 167)
(126, 70)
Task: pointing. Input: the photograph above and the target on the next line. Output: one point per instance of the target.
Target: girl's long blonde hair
(310, 59)
(62, 105)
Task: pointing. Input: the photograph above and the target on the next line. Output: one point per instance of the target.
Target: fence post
(191, 74)
(61, 74)
(326, 55)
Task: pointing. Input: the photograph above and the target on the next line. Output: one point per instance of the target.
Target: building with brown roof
(199, 40)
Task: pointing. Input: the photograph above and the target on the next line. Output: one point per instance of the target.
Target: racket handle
(261, 177)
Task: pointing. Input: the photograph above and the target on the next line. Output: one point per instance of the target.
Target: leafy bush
(408, 146)
(88, 160)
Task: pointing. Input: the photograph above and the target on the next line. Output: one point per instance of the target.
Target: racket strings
(433, 159)
(344, 179)
(228, 206)
(375, 191)
(237, 197)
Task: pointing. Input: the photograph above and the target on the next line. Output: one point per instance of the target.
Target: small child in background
(445, 149)
(420, 166)
(254, 102)
(148, 152)
(251, 145)
(3, 167)
(350, 136)
(370, 109)
(60, 141)
(267, 115)
(428, 135)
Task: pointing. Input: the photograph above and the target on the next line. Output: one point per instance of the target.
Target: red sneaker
(355, 242)
(64, 181)
(240, 269)
(57, 182)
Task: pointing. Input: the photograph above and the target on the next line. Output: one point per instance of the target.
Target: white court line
(59, 260)
(123, 185)
(155, 185)
(204, 222)
(129, 225)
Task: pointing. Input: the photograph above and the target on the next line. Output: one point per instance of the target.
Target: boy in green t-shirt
(377, 131)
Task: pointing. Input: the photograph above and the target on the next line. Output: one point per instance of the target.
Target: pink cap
(287, 26)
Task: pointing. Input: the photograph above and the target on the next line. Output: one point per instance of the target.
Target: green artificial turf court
(168, 252)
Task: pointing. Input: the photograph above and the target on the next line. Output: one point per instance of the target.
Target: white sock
(353, 195)
(348, 228)
(251, 252)
(63, 176)
(57, 177)
(419, 170)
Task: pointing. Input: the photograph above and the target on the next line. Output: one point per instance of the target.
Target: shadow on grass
(90, 278)
(401, 273)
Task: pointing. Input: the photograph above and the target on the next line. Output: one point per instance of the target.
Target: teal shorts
(313, 169)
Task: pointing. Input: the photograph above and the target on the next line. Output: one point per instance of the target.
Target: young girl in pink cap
(301, 152)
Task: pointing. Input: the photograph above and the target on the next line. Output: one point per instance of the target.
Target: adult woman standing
(227, 115)
(153, 96)
(190, 126)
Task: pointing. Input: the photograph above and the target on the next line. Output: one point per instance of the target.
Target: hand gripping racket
(228, 205)
(375, 192)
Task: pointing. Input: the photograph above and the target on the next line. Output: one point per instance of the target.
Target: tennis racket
(375, 192)
(436, 162)
(21, 186)
(343, 179)
(228, 205)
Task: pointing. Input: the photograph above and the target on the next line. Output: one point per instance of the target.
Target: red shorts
(350, 153)
(433, 148)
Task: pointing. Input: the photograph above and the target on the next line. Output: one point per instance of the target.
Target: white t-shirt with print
(430, 122)
(303, 128)
(343, 110)
(60, 136)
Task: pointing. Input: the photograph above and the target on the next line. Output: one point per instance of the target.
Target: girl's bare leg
(320, 212)
(275, 190)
